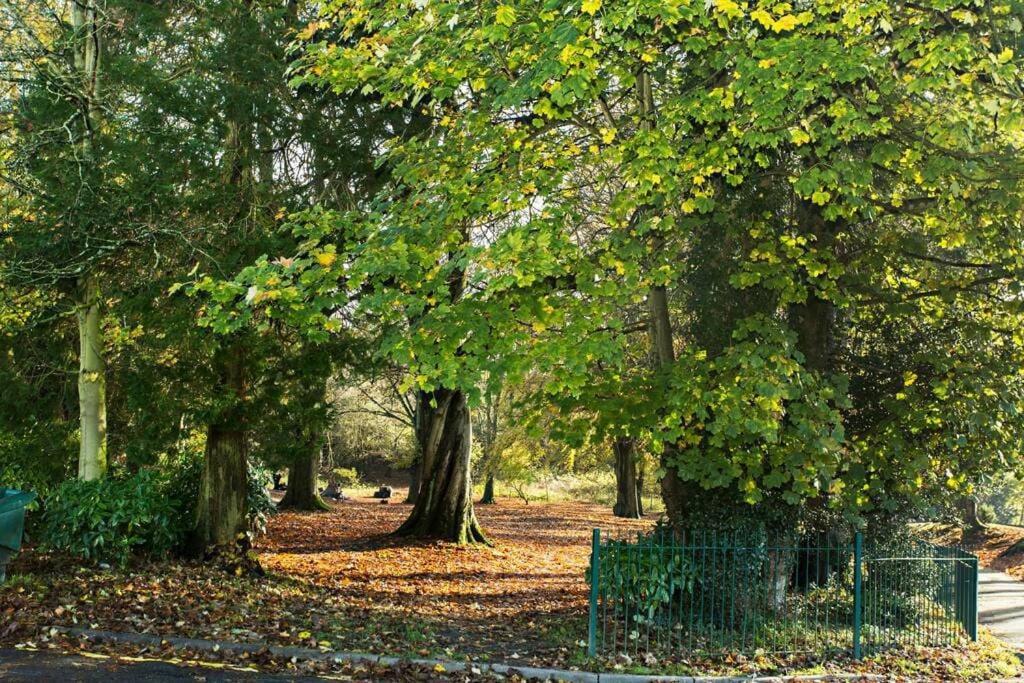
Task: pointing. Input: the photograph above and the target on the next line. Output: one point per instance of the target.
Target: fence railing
(716, 593)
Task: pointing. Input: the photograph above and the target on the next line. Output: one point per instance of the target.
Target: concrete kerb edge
(528, 672)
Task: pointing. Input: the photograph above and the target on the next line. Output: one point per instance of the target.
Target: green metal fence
(708, 593)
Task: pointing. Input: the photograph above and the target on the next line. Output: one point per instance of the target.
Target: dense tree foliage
(775, 245)
(818, 203)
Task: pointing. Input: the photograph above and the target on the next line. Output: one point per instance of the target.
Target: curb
(527, 672)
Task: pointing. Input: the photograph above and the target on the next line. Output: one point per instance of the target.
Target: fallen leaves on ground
(339, 581)
(998, 546)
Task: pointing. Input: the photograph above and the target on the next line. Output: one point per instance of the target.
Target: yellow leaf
(786, 23)
(728, 7)
(762, 17)
(1005, 56)
(326, 259)
(591, 6)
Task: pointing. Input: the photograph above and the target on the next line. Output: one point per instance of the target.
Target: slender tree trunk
(673, 492)
(220, 525)
(92, 454)
(92, 385)
(488, 497)
(627, 500)
(302, 491)
(444, 508)
(640, 487)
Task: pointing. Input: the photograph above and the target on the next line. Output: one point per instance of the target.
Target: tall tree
(576, 155)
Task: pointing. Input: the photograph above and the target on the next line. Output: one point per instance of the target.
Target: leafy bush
(259, 504)
(111, 519)
(345, 477)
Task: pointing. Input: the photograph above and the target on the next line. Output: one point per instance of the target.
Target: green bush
(111, 519)
(346, 477)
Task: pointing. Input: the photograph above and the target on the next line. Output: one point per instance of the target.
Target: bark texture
(220, 524)
(92, 385)
(627, 484)
(92, 454)
(444, 508)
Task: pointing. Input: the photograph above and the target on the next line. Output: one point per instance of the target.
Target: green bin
(12, 524)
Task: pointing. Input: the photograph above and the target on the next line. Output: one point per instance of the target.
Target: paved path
(1001, 606)
(20, 666)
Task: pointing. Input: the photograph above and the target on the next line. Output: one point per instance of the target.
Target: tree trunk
(220, 525)
(488, 497)
(444, 508)
(302, 491)
(640, 487)
(660, 333)
(780, 566)
(92, 384)
(969, 513)
(415, 474)
(814, 319)
(627, 499)
(92, 453)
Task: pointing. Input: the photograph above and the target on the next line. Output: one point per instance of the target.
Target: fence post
(595, 575)
(858, 588)
(972, 596)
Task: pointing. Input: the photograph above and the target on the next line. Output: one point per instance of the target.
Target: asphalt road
(17, 666)
(1001, 606)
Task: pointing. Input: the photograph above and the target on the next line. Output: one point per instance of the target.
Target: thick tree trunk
(302, 491)
(220, 525)
(488, 497)
(627, 499)
(92, 385)
(444, 508)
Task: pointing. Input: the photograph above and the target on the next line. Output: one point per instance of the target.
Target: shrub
(346, 477)
(111, 519)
